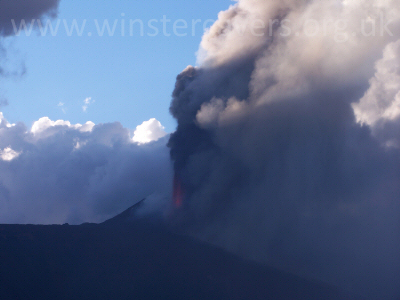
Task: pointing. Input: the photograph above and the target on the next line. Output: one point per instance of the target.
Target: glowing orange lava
(178, 192)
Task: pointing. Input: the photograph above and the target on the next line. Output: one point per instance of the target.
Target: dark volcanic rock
(122, 260)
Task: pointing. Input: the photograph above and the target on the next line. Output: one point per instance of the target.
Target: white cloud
(44, 123)
(2, 119)
(87, 127)
(45, 127)
(8, 154)
(88, 101)
(62, 106)
(76, 173)
(4, 122)
(149, 131)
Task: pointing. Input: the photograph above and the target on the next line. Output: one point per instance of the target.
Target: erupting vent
(178, 192)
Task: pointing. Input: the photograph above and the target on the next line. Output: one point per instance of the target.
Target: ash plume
(13, 13)
(18, 10)
(287, 145)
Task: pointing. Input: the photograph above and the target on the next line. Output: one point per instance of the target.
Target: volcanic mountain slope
(134, 260)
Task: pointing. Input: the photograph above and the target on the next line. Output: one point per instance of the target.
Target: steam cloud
(57, 172)
(288, 144)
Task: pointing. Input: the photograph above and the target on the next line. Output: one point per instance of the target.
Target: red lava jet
(178, 192)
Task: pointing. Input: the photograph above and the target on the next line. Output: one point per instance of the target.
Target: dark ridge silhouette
(127, 216)
(131, 260)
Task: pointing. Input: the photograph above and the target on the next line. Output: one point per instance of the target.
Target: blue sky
(129, 78)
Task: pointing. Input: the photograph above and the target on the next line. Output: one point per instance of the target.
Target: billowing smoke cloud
(57, 172)
(287, 146)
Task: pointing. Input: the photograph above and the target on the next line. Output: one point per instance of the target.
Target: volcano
(128, 258)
